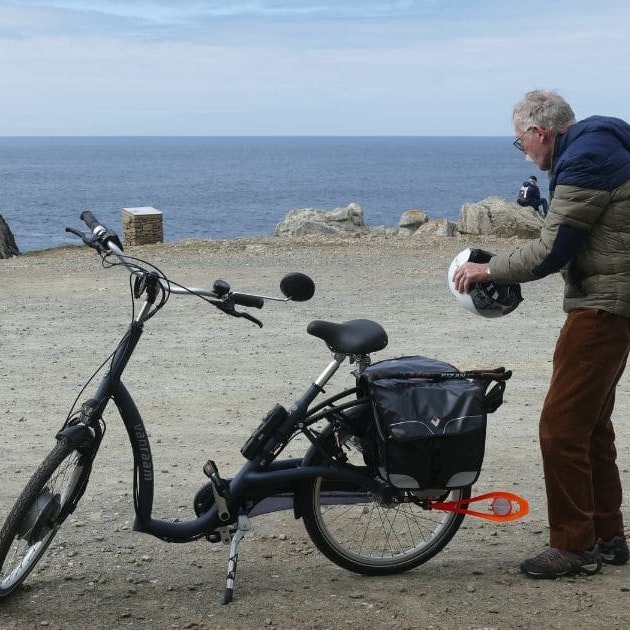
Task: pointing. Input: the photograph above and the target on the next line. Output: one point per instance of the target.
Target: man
(529, 195)
(586, 235)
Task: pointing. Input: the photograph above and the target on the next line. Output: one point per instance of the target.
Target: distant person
(586, 237)
(529, 195)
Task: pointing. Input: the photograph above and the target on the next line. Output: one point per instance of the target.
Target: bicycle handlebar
(106, 241)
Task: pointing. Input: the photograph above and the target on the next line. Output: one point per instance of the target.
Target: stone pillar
(142, 226)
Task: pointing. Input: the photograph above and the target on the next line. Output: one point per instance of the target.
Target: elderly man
(586, 236)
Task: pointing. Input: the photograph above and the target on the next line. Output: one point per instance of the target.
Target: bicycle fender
(77, 434)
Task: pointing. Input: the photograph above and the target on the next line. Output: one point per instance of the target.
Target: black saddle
(357, 336)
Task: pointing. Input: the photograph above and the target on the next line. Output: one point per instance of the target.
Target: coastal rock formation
(495, 216)
(439, 227)
(340, 222)
(410, 221)
(8, 246)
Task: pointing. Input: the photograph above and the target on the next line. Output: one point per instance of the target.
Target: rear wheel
(45, 503)
(361, 532)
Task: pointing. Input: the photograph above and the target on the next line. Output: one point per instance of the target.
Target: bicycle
(353, 510)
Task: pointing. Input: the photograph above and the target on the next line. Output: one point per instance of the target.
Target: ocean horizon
(227, 187)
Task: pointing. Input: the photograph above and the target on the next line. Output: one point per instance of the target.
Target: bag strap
(483, 378)
(498, 374)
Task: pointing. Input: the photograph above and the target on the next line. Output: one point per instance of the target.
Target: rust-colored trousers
(576, 433)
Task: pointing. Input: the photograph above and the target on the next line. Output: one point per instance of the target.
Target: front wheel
(361, 532)
(48, 498)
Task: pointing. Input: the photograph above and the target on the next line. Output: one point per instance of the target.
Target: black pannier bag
(431, 431)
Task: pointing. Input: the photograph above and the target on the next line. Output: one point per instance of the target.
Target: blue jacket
(593, 153)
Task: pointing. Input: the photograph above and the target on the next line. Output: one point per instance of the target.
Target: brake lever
(228, 308)
(90, 241)
(251, 318)
(81, 235)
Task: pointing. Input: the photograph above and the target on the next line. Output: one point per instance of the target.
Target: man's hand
(467, 274)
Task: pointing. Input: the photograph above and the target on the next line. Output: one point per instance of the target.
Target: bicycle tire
(365, 535)
(46, 501)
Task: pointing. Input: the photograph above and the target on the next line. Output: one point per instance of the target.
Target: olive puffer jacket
(586, 233)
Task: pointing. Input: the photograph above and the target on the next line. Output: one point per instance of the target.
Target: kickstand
(243, 526)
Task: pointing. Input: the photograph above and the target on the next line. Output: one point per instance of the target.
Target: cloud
(177, 12)
(447, 67)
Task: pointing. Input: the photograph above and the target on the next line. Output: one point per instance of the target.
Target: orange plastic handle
(517, 506)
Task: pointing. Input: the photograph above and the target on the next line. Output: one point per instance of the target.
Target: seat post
(330, 369)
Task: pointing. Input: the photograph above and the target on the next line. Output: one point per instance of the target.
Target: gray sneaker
(613, 551)
(554, 563)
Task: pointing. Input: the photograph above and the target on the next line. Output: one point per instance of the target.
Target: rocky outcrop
(8, 246)
(346, 221)
(496, 216)
(439, 227)
(410, 221)
(493, 216)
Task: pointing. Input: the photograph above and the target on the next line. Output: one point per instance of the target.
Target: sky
(303, 67)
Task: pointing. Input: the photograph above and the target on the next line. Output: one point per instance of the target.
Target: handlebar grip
(102, 234)
(243, 299)
(90, 220)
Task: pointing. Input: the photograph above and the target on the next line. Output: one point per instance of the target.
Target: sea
(232, 187)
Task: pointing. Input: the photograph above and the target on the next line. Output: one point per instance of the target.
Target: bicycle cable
(85, 386)
(164, 284)
(144, 268)
(107, 264)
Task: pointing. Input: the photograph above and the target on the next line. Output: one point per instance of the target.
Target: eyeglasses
(518, 143)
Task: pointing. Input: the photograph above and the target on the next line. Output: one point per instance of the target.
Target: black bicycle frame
(280, 477)
(254, 479)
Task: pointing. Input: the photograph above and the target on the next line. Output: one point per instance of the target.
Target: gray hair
(546, 109)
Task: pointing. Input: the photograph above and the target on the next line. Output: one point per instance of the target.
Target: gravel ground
(203, 381)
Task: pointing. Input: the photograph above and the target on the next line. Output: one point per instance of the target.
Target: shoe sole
(613, 552)
(612, 559)
(587, 569)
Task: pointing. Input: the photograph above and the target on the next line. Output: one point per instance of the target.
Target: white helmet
(486, 299)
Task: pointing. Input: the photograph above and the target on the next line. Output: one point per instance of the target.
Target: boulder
(8, 246)
(346, 221)
(439, 227)
(496, 216)
(410, 221)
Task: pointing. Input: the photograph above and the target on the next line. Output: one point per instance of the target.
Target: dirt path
(60, 316)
